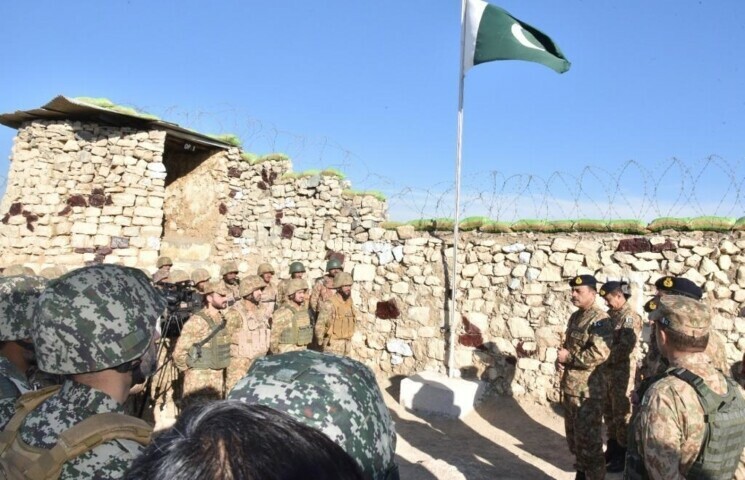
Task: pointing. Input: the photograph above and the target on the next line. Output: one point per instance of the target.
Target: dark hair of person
(229, 439)
(685, 343)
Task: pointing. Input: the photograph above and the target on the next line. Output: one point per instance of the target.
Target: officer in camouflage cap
(18, 297)
(163, 265)
(291, 328)
(338, 318)
(324, 286)
(336, 395)
(691, 423)
(229, 274)
(97, 326)
(297, 270)
(269, 294)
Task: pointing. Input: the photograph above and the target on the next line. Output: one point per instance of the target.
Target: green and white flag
(493, 34)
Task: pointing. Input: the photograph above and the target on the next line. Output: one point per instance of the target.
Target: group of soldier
(242, 319)
(675, 414)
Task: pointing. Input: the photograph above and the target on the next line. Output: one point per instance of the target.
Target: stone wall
(81, 192)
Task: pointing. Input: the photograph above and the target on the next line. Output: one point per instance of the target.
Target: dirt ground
(500, 439)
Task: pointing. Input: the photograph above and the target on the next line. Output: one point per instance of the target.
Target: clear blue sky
(371, 87)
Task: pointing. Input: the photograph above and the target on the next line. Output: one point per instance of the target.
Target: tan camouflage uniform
(282, 296)
(202, 382)
(322, 291)
(269, 300)
(620, 370)
(336, 324)
(249, 331)
(233, 292)
(282, 320)
(588, 339)
(655, 364)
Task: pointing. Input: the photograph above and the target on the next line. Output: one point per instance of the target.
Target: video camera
(183, 301)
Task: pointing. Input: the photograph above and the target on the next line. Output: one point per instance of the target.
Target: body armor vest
(724, 437)
(342, 326)
(19, 460)
(253, 335)
(213, 351)
(301, 331)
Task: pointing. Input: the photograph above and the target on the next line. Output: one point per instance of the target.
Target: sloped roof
(63, 108)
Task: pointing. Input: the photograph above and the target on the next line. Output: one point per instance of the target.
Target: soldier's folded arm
(597, 348)
(324, 320)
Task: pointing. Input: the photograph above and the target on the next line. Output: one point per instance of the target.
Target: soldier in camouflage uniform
(336, 395)
(97, 326)
(336, 321)
(291, 328)
(229, 274)
(297, 270)
(202, 351)
(199, 278)
(18, 297)
(691, 422)
(269, 295)
(586, 347)
(324, 286)
(163, 266)
(619, 370)
(249, 330)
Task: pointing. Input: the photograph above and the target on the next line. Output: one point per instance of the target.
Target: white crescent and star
(519, 33)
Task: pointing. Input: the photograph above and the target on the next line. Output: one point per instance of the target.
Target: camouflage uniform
(619, 370)
(322, 291)
(233, 289)
(13, 384)
(89, 320)
(670, 428)
(336, 321)
(336, 395)
(163, 266)
(588, 339)
(291, 327)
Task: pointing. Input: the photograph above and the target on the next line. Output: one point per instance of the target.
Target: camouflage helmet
(95, 318)
(334, 263)
(200, 275)
(178, 276)
(295, 285)
(163, 261)
(334, 394)
(18, 297)
(343, 279)
(52, 272)
(228, 267)
(217, 287)
(264, 268)
(296, 267)
(250, 284)
(18, 269)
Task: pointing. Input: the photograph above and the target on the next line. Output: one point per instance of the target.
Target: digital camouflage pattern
(336, 395)
(18, 296)
(322, 291)
(94, 318)
(249, 334)
(13, 384)
(269, 299)
(682, 314)
(71, 405)
(588, 339)
(669, 429)
(336, 324)
(620, 370)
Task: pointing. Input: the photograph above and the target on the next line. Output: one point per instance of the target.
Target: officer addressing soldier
(291, 328)
(324, 286)
(337, 319)
(586, 347)
(202, 351)
(97, 326)
(691, 423)
(249, 330)
(297, 270)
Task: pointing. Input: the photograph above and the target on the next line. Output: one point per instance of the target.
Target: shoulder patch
(628, 321)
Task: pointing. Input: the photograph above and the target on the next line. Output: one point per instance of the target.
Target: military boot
(618, 461)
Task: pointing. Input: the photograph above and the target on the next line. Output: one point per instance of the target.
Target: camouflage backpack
(336, 395)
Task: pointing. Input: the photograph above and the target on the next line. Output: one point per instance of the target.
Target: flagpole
(458, 153)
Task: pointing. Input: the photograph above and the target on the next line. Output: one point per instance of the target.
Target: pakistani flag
(493, 34)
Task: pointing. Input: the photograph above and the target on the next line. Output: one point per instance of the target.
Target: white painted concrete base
(436, 393)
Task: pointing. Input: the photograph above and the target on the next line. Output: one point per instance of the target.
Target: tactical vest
(342, 325)
(213, 352)
(301, 331)
(253, 336)
(19, 460)
(724, 437)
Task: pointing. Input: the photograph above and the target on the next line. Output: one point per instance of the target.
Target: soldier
(249, 330)
(18, 297)
(619, 370)
(97, 326)
(52, 272)
(586, 347)
(229, 274)
(307, 385)
(324, 287)
(336, 321)
(200, 277)
(297, 270)
(691, 422)
(163, 265)
(291, 328)
(269, 295)
(202, 351)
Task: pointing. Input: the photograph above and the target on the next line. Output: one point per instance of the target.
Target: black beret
(609, 287)
(651, 305)
(679, 286)
(580, 280)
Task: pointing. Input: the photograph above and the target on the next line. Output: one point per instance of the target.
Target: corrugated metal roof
(63, 108)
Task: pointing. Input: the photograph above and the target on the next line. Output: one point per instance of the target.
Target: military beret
(579, 280)
(651, 305)
(679, 286)
(612, 286)
(682, 314)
